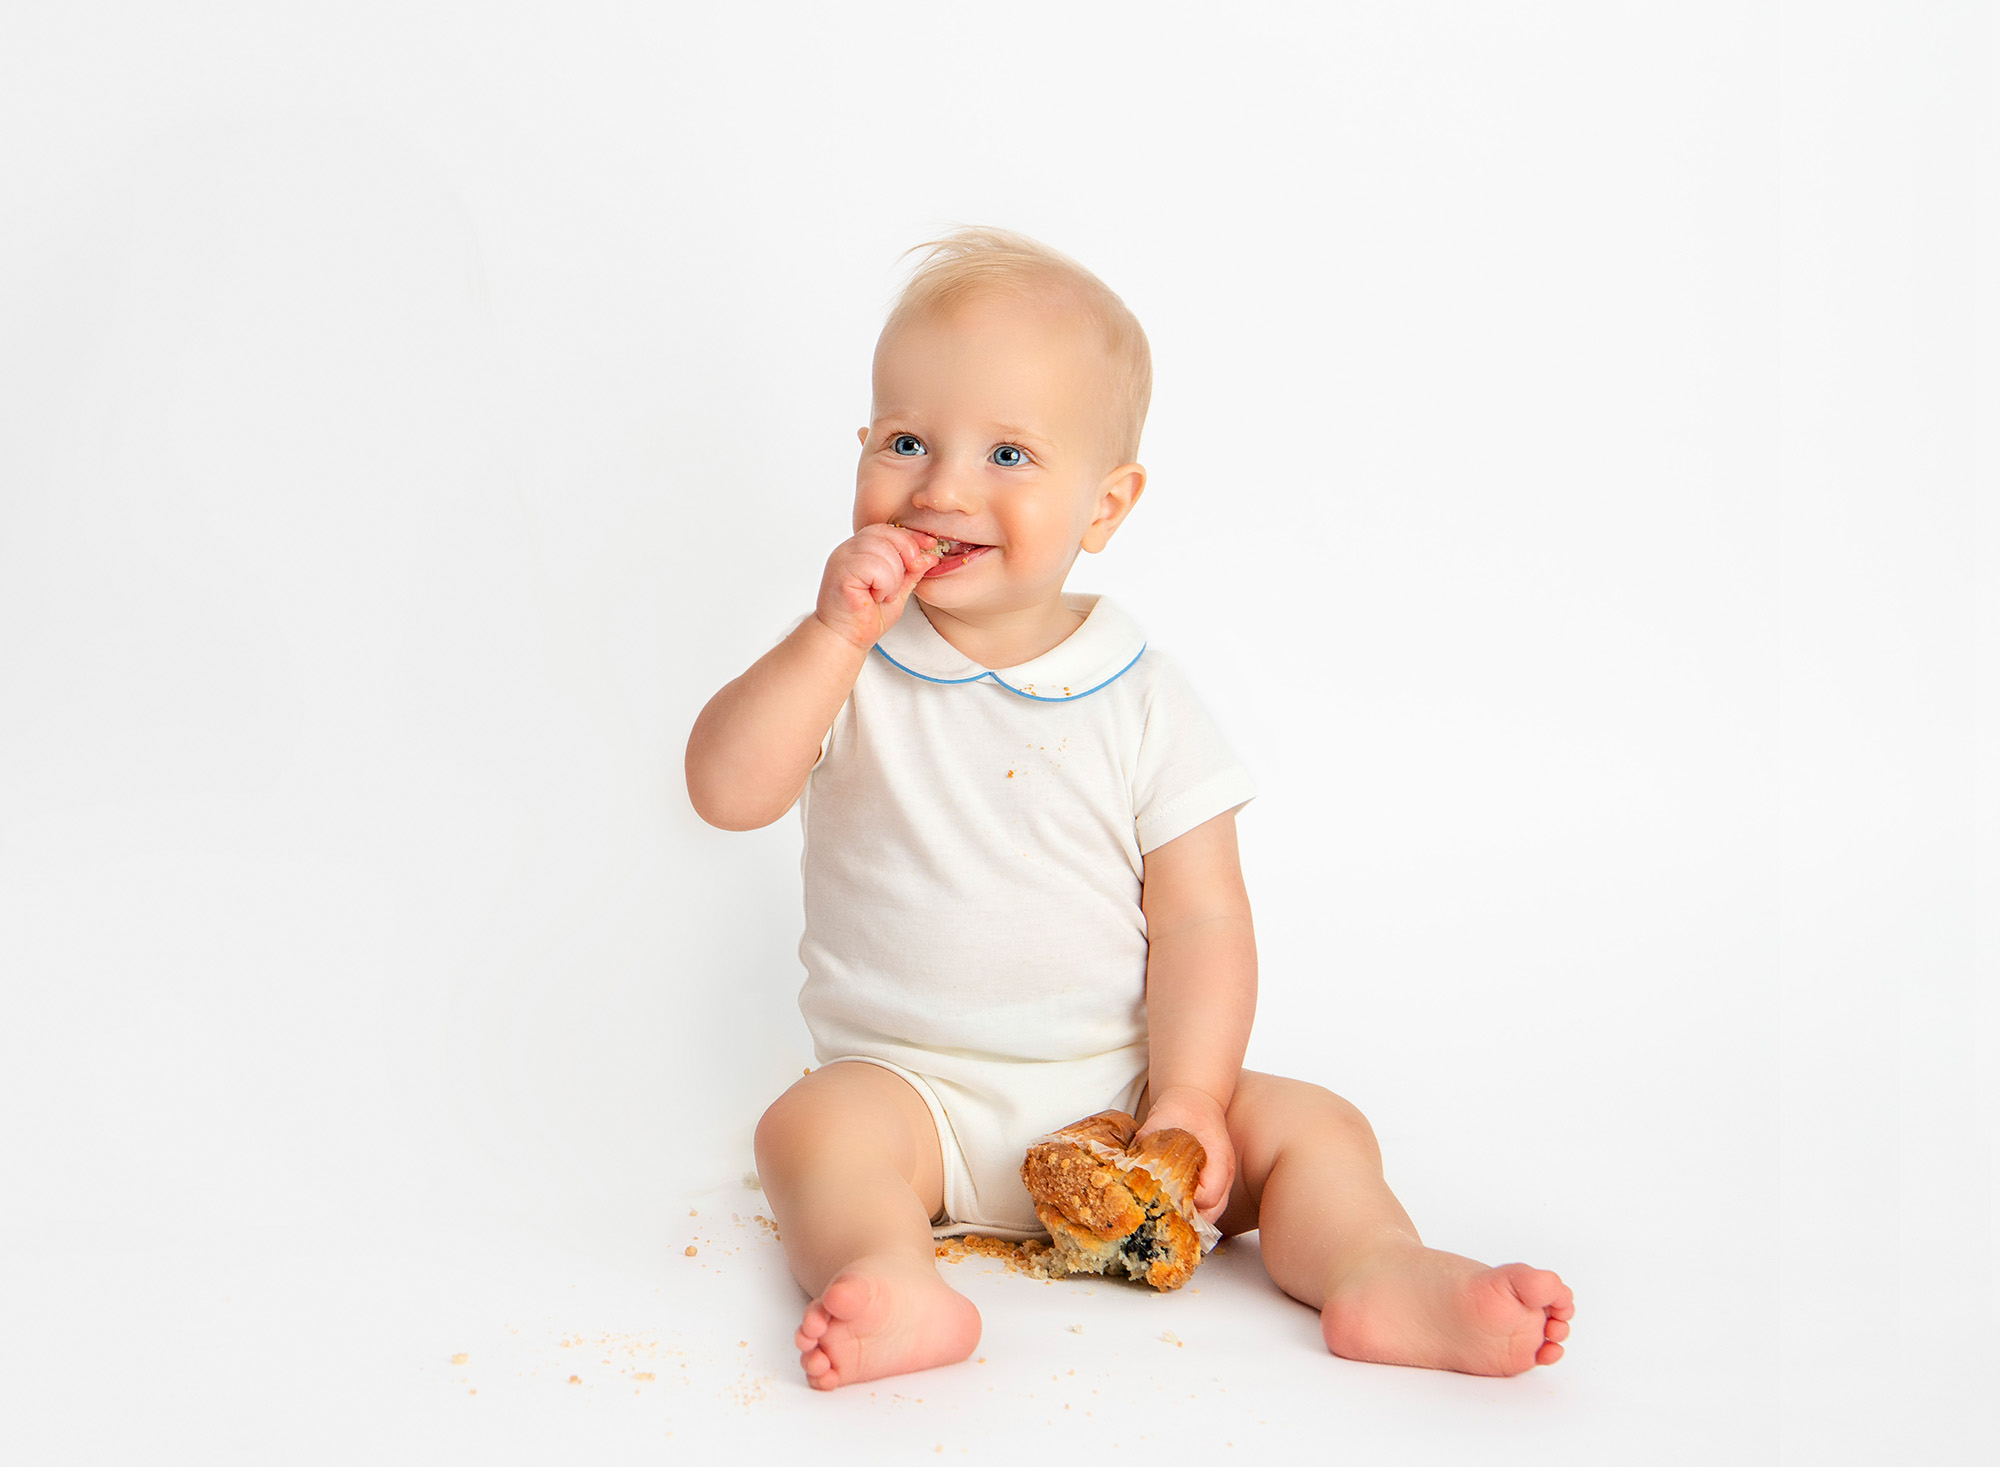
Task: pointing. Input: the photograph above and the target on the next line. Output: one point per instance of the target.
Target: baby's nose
(949, 489)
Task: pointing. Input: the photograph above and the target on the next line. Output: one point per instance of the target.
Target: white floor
(442, 1346)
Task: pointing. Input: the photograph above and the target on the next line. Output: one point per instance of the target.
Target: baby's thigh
(854, 1114)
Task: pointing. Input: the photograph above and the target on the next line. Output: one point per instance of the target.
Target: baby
(1022, 891)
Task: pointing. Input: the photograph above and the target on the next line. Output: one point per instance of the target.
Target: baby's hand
(868, 581)
(1198, 1112)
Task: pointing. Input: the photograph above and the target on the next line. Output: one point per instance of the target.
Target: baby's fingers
(880, 567)
(918, 549)
(919, 553)
(1211, 1193)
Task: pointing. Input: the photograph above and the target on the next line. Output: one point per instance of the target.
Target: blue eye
(907, 444)
(1008, 456)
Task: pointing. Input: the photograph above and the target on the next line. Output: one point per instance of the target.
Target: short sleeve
(1186, 773)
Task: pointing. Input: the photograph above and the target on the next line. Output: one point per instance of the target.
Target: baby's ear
(1115, 497)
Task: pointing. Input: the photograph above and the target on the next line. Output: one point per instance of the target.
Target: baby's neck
(1005, 638)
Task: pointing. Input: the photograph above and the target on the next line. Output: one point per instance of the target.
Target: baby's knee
(841, 1113)
(1342, 1116)
(783, 1128)
(1316, 1112)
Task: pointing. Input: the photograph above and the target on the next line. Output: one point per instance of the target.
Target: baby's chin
(945, 596)
(966, 601)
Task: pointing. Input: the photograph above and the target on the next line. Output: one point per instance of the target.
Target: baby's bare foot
(884, 1316)
(1418, 1306)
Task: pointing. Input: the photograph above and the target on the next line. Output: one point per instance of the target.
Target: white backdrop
(1564, 469)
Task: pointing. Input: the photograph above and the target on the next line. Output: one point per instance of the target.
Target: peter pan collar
(1089, 658)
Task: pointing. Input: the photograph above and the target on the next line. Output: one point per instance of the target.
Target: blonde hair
(973, 262)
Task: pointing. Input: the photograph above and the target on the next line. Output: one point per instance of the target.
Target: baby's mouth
(953, 554)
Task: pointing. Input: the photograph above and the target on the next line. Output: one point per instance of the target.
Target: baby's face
(990, 428)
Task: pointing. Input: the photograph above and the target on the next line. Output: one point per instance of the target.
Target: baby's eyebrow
(1012, 433)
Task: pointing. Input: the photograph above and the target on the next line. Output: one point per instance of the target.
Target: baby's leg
(849, 1158)
(1335, 1237)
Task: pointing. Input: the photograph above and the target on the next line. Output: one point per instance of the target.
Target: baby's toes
(1556, 1330)
(1549, 1353)
(1561, 1303)
(1546, 1288)
(813, 1327)
(1540, 1289)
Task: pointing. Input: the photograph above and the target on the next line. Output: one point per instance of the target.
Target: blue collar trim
(1031, 697)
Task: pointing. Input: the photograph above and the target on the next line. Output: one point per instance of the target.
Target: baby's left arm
(1201, 992)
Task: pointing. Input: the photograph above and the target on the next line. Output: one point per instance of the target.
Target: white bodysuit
(974, 848)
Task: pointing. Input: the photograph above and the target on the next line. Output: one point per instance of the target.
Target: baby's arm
(758, 739)
(1201, 992)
